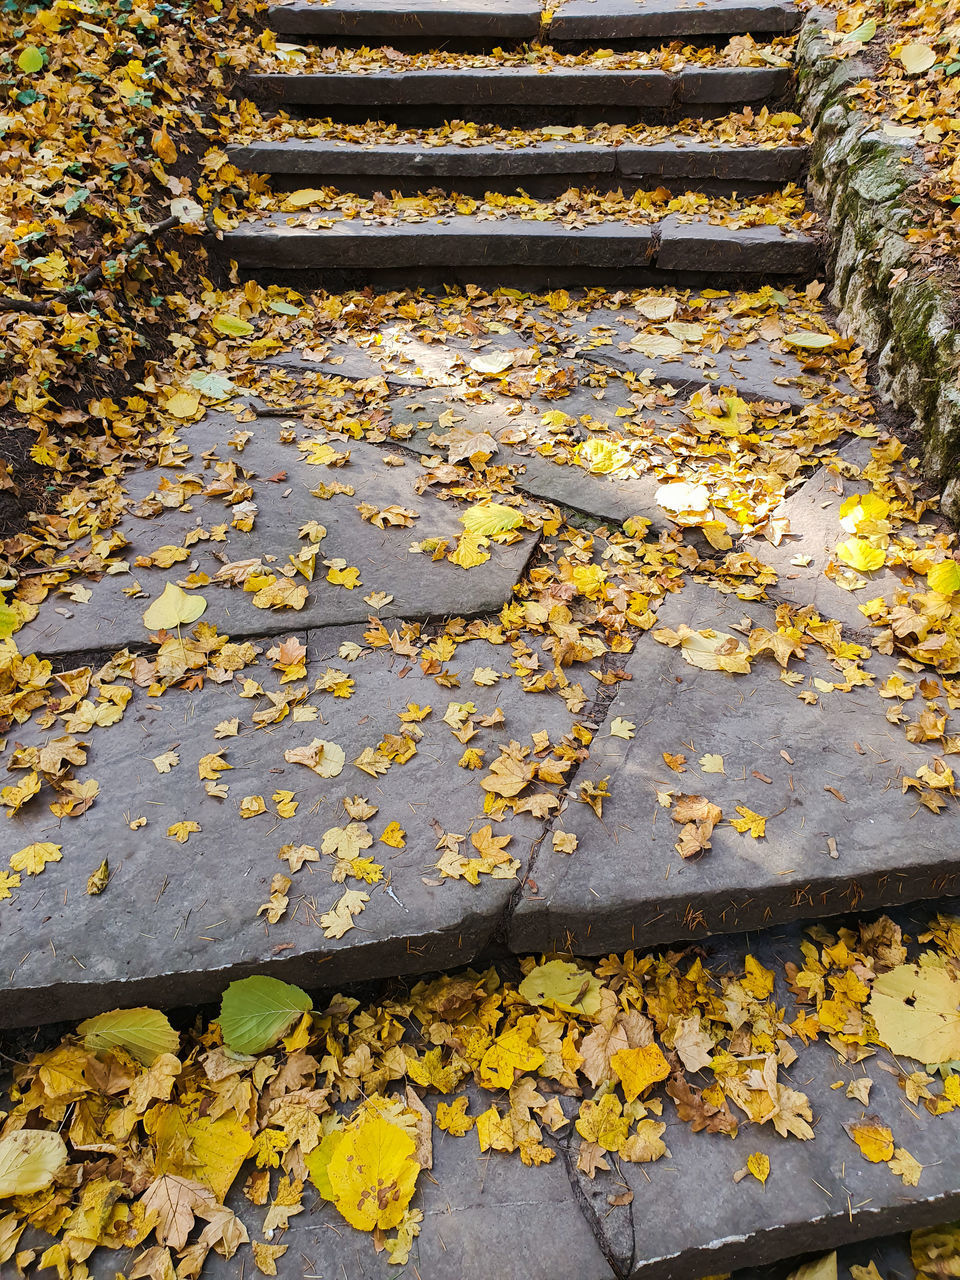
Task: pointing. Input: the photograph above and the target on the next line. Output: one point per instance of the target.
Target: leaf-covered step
(461, 241)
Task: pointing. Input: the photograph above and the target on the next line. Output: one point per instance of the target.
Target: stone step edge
(524, 86)
(524, 21)
(461, 241)
(314, 156)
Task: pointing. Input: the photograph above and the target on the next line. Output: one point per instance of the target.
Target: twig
(93, 276)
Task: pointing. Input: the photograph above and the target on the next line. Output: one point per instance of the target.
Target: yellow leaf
(232, 326)
(810, 340)
(944, 578)
(510, 1053)
(326, 759)
(758, 981)
(453, 1118)
(29, 1161)
(603, 1122)
(183, 405)
(173, 608)
(394, 836)
(711, 764)
(181, 831)
(486, 520)
(759, 1166)
(566, 985)
(907, 1168)
(620, 728)
(861, 555)
(35, 857)
(602, 456)
(469, 551)
(873, 1138)
(373, 1174)
(749, 822)
(928, 1027)
(917, 58)
(339, 920)
(638, 1069)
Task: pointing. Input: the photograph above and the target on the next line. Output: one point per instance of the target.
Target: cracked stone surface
(282, 481)
(179, 920)
(627, 886)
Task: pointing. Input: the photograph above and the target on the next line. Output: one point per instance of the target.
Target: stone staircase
(543, 75)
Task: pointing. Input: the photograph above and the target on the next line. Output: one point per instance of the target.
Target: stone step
(670, 19)
(686, 160)
(377, 21)
(563, 86)
(461, 242)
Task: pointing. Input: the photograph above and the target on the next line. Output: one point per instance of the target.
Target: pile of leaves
(912, 96)
(127, 1132)
(740, 51)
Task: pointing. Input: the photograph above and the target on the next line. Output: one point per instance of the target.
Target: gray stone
(406, 159)
(688, 1216)
(711, 85)
(178, 921)
(459, 241)
(526, 86)
(814, 514)
(378, 21)
(479, 87)
(698, 246)
(689, 158)
(675, 19)
(627, 886)
(685, 158)
(111, 619)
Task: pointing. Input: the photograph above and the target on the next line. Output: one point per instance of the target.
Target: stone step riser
(459, 243)
(424, 23)
(638, 91)
(539, 170)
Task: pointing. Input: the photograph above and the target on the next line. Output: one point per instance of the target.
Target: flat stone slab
(179, 920)
(685, 158)
(282, 481)
(689, 1218)
(428, 20)
(676, 19)
(839, 792)
(526, 86)
(462, 241)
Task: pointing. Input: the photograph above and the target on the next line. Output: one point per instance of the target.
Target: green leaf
(29, 1159)
(944, 578)
(144, 1033)
(31, 60)
(232, 326)
(866, 31)
(256, 1012)
(319, 1159)
(283, 308)
(211, 384)
(809, 340)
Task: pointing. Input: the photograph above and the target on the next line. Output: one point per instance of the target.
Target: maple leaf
(181, 831)
(339, 919)
(35, 857)
(326, 759)
(873, 1138)
(175, 1201)
(749, 823)
(347, 842)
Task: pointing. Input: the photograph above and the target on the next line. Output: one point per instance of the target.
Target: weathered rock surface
(837, 789)
(178, 920)
(672, 19)
(384, 20)
(282, 481)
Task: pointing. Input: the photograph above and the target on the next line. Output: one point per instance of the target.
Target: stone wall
(861, 179)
